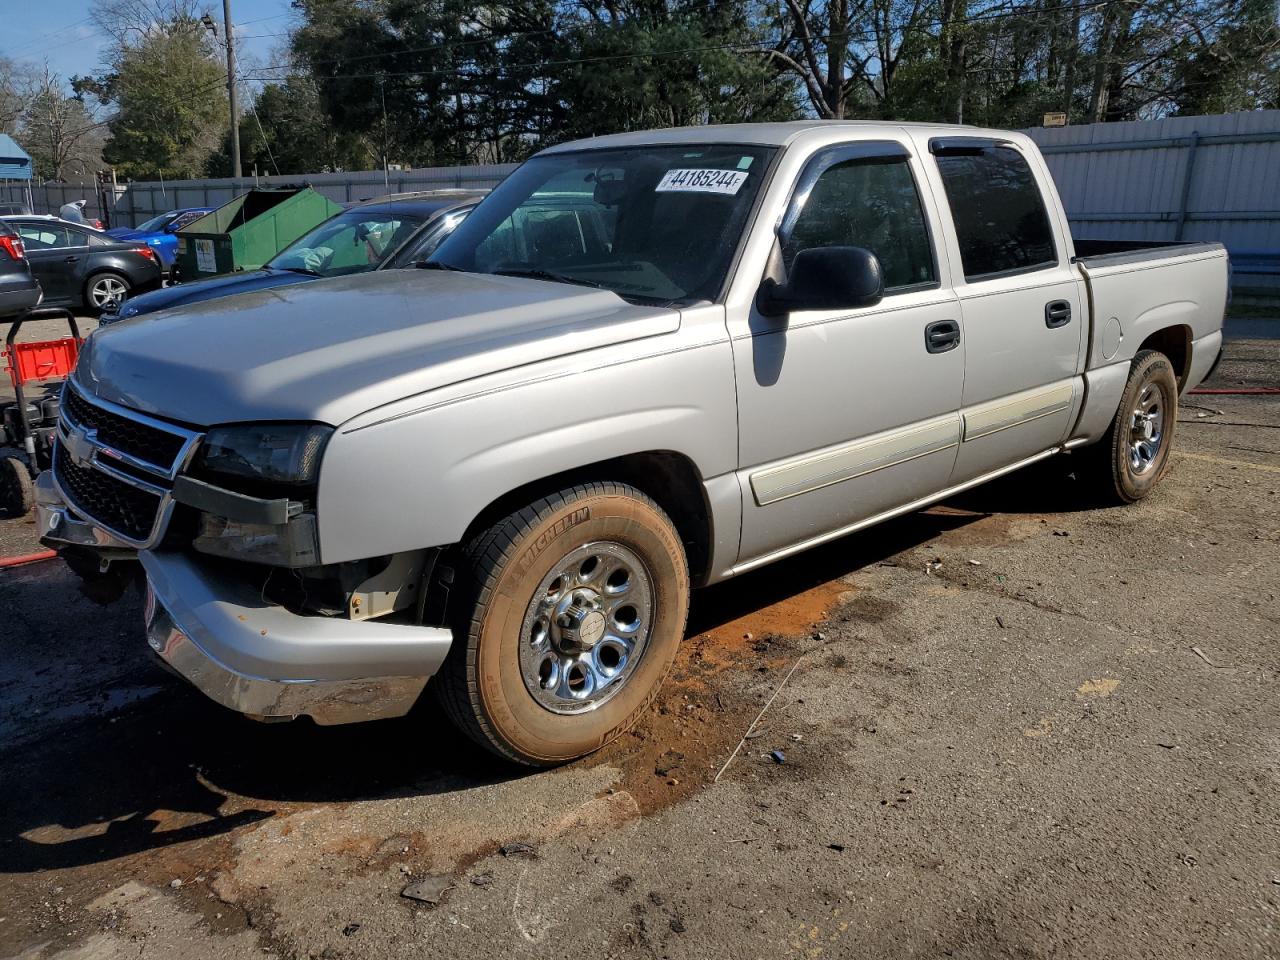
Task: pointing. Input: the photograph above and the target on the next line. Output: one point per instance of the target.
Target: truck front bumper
(261, 660)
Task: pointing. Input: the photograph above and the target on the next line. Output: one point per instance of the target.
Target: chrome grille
(119, 506)
(138, 440)
(116, 466)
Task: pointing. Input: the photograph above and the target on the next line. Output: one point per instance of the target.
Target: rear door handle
(70, 259)
(1057, 313)
(941, 336)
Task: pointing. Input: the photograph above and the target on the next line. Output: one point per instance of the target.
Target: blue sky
(62, 32)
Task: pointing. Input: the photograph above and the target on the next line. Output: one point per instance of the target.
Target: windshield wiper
(437, 265)
(535, 274)
(305, 271)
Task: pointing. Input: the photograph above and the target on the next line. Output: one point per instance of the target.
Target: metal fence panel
(140, 200)
(1189, 178)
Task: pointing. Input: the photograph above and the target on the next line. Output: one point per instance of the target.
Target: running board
(888, 514)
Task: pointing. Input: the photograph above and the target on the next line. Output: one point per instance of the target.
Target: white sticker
(206, 262)
(702, 181)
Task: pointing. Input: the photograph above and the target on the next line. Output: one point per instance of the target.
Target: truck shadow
(177, 768)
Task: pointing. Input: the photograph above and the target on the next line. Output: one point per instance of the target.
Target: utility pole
(207, 22)
(231, 88)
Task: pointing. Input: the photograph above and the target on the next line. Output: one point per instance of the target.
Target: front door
(1020, 298)
(846, 414)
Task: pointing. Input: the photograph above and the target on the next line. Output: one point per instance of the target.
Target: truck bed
(1137, 288)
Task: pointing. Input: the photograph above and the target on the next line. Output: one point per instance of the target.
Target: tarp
(15, 163)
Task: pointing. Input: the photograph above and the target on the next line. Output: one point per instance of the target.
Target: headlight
(272, 452)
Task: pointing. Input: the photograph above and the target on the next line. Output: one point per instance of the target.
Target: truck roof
(766, 134)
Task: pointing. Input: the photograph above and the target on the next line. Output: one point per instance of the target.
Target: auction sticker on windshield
(702, 181)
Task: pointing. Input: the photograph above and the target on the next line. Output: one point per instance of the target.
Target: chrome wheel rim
(107, 291)
(586, 628)
(1146, 430)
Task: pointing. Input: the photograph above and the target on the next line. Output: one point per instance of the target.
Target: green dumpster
(250, 230)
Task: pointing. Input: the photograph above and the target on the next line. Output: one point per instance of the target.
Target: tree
(169, 90)
(287, 132)
(18, 86)
(658, 64)
(58, 130)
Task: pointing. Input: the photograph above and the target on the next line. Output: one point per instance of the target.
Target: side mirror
(825, 278)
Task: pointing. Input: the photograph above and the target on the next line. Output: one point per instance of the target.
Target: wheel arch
(670, 478)
(1175, 343)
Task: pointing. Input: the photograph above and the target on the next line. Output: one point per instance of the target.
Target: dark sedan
(18, 289)
(381, 234)
(78, 266)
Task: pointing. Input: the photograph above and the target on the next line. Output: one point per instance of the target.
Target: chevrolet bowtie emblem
(79, 445)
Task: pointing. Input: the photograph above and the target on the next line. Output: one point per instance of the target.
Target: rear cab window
(1001, 222)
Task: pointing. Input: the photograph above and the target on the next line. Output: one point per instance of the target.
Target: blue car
(159, 233)
(383, 234)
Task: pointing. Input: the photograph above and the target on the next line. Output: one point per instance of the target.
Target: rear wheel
(104, 291)
(1133, 456)
(17, 492)
(574, 609)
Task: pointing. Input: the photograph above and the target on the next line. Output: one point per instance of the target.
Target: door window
(43, 236)
(1000, 217)
(869, 203)
(433, 238)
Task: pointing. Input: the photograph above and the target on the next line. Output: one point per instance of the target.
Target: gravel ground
(1012, 725)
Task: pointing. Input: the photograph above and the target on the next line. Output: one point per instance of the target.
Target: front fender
(418, 477)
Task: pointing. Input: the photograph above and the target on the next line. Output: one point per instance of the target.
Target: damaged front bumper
(59, 526)
(261, 660)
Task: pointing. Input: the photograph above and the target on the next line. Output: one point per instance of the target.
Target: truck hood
(329, 350)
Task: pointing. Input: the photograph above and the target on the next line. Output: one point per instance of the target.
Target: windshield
(653, 224)
(156, 223)
(352, 242)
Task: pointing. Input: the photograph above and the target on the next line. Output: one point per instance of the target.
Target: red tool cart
(29, 422)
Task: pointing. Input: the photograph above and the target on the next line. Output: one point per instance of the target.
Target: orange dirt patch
(706, 704)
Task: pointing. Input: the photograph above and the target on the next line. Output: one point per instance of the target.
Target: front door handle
(941, 336)
(1057, 313)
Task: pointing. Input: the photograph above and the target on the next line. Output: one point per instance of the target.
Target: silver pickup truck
(646, 362)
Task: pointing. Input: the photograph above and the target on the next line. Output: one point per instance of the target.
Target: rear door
(51, 262)
(1021, 302)
(844, 414)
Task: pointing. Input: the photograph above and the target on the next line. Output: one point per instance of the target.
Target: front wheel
(572, 611)
(105, 291)
(1133, 456)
